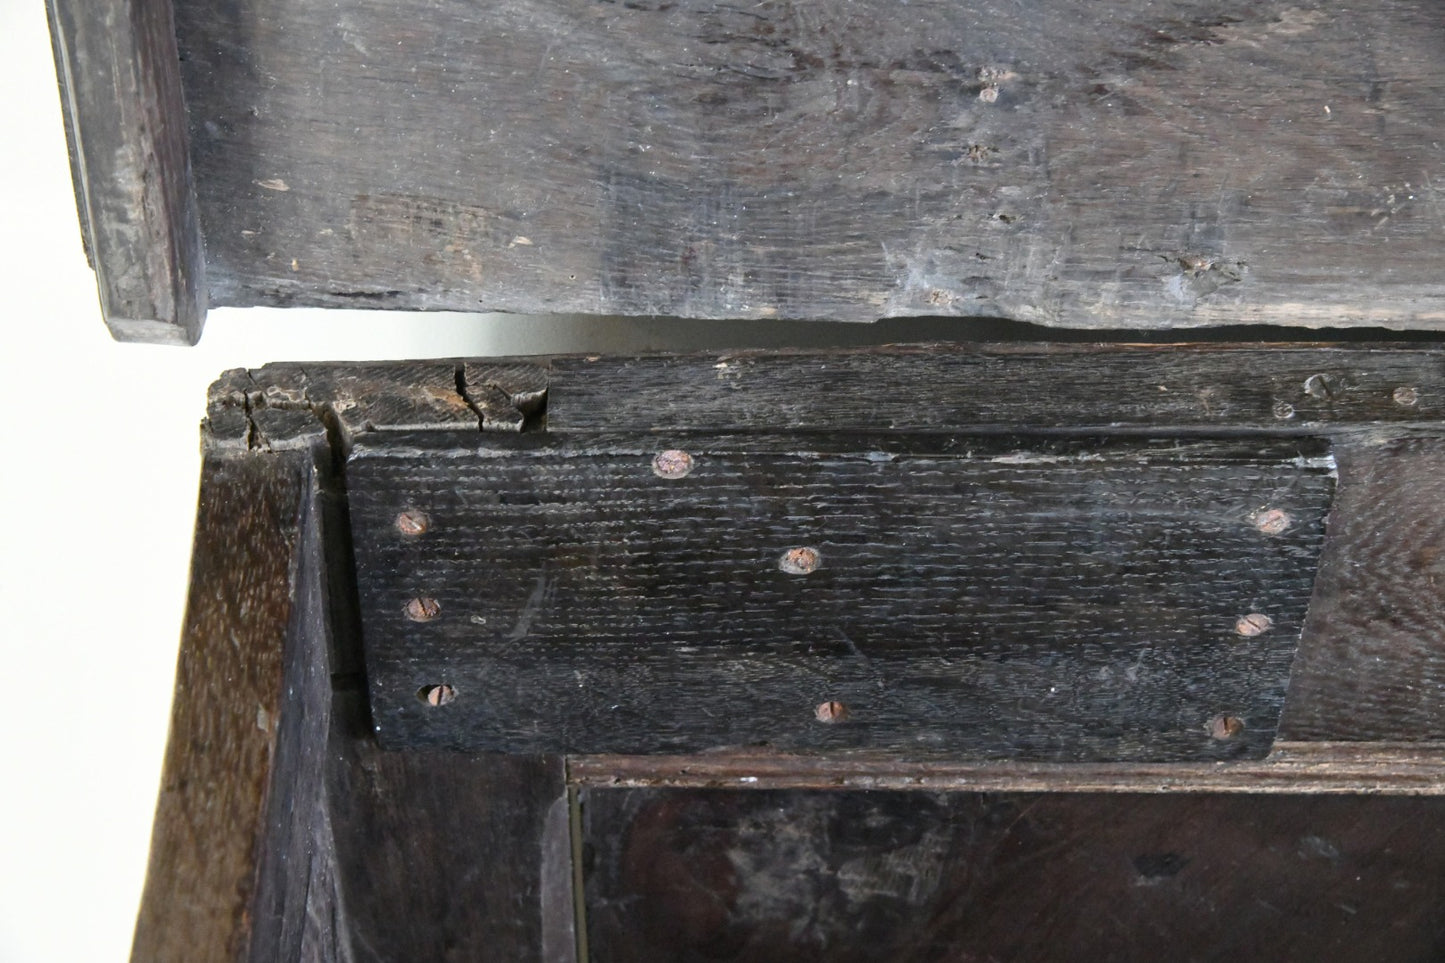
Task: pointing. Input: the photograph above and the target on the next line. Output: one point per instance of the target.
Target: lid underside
(1126, 165)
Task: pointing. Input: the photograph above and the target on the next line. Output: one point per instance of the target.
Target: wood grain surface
(1055, 161)
(1291, 768)
(1006, 387)
(125, 119)
(847, 876)
(1374, 664)
(976, 598)
(219, 846)
(443, 856)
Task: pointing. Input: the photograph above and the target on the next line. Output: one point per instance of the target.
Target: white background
(98, 488)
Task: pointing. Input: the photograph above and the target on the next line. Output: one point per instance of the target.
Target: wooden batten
(120, 87)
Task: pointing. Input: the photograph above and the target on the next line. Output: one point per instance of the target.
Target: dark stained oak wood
(290, 405)
(286, 832)
(215, 887)
(1291, 768)
(1139, 166)
(282, 832)
(446, 857)
(1009, 387)
(120, 86)
(968, 597)
(1374, 667)
(1380, 405)
(847, 876)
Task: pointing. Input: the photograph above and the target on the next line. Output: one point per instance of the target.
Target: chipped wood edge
(284, 407)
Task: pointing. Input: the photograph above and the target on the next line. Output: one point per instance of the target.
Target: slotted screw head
(1224, 727)
(1318, 386)
(412, 522)
(830, 711)
(672, 464)
(423, 609)
(436, 695)
(1272, 521)
(800, 561)
(1255, 623)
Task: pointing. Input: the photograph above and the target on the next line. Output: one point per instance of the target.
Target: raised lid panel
(1125, 165)
(972, 597)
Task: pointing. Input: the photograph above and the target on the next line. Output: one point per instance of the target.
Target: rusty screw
(1255, 623)
(672, 464)
(412, 522)
(436, 695)
(1225, 728)
(1406, 396)
(1272, 521)
(800, 561)
(988, 94)
(830, 712)
(423, 609)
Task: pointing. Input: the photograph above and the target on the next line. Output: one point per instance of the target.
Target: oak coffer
(1101, 644)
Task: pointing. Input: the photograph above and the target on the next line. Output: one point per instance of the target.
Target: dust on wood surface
(1132, 165)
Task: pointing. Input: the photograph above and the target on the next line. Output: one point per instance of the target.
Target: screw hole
(436, 695)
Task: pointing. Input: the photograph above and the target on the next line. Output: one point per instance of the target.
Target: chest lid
(1130, 165)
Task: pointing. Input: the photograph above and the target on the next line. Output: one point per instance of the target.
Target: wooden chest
(1075, 646)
